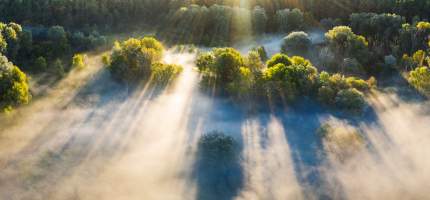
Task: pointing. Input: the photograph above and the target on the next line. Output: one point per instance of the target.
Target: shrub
(221, 67)
(40, 64)
(296, 43)
(218, 147)
(58, 68)
(345, 44)
(420, 79)
(289, 20)
(131, 60)
(78, 61)
(277, 59)
(164, 73)
(14, 89)
(350, 100)
(344, 93)
(288, 81)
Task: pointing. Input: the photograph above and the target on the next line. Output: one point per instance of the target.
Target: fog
(91, 138)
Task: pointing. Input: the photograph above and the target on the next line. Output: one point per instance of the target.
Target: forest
(214, 99)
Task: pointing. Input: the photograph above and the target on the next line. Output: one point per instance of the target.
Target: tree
(40, 64)
(345, 44)
(296, 43)
(10, 39)
(381, 29)
(261, 50)
(131, 60)
(254, 61)
(259, 20)
(14, 89)
(277, 59)
(59, 41)
(162, 73)
(58, 68)
(222, 66)
(289, 20)
(344, 93)
(78, 61)
(3, 44)
(420, 79)
(289, 81)
(414, 38)
(350, 100)
(217, 167)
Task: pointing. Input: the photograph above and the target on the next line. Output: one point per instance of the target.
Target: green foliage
(423, 26)
(350, 100)
(60, 43)
(284, 79)
(218, 168)
(418, 59)
(10, 36)
(218, 147)
(290, 20)
(358, 84)
(382, 28)
(345, 44)
(413, 38)
(132, 59)
(78, 61)
(254, 61)
(259, 20)
(261, 52)
(344, 93)
(296, 43)
(420, 79)
(222, 66)
(14, 89)
(277, 59)
(162, 73)
(106, 59)
(137, 60)
(40, 64)
(84, 42)
(289, 81)
(3, 44)
(58, 68)
(243, 84)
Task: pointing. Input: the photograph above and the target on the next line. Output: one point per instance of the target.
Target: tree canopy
(14, 89)
(137, 60)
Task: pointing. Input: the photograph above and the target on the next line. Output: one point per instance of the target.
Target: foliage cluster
(281, 79)
(14, 89)
(136, 60)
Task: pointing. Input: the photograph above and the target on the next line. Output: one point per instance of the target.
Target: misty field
(214, 100)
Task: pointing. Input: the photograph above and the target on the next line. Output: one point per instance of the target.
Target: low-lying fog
(91, 138)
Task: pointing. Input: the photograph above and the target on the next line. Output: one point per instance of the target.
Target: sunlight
(214, 99)
(269, 167)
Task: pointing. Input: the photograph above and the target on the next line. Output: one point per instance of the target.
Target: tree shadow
(395, 82)
(216, 170)
(301, 122)
(81, 133)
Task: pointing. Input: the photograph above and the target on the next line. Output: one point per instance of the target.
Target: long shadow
(217, 170)
(395, 82)
(301, 122)
(54, 163)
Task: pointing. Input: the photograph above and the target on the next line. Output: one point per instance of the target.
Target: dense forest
(252, 57)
